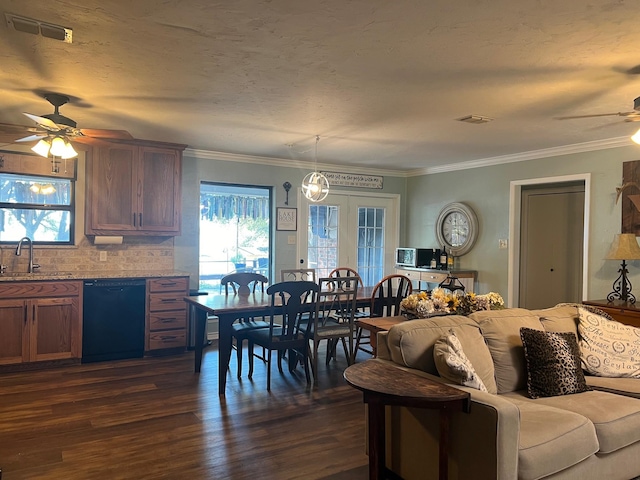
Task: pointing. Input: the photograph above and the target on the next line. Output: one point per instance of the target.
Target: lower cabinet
(166, 326)
(40, 321)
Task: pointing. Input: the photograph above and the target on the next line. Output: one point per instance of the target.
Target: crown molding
(281, 162)
(452, 167)
(525, 156)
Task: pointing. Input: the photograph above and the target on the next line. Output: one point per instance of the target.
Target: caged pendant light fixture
(315, 185)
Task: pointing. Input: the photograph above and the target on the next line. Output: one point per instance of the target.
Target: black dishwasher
(113, 319)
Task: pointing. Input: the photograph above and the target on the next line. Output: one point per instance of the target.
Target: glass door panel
(349, 231)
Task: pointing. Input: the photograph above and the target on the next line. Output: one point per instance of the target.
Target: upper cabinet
(133, 188)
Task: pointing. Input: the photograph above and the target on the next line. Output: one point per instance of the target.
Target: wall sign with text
(353, 180)
(287, 219)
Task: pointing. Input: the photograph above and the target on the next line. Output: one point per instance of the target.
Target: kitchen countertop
(41, 276)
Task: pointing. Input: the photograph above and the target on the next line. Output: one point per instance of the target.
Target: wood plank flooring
(155, 418)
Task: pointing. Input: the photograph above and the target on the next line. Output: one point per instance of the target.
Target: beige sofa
(507, 435)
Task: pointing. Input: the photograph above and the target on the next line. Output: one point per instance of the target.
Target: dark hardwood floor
(155, 418)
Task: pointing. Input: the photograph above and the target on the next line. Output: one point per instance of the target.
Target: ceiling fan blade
(618, 114)
(101, 133)
(31, 138)
(10, 128)
(45, 122)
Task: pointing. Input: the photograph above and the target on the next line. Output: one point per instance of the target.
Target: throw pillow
(553, 363)
(452, 363)
(608, 348)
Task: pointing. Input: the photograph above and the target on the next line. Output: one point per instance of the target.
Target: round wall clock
(457, 228)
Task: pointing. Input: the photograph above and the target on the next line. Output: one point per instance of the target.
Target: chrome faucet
(32, 265)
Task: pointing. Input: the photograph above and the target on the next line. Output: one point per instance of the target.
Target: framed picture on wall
(287, 219)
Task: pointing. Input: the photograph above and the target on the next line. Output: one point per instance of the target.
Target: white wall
(486, 190)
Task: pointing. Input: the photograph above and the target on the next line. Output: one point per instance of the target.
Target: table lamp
(624, 247)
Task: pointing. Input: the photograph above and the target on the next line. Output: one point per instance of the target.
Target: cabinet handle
(140, 217)
(34, 314)
(168, 284)
(134, 219)
(168, 320)
(26, 313)
(167, 300)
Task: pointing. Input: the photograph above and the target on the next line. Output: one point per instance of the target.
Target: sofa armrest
(483, 443)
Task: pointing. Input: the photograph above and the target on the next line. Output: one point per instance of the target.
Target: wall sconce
(624, 247)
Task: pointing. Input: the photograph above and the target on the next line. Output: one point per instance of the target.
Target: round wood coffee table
(383, 384)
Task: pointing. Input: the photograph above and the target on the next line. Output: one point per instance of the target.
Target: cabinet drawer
(160, 302)
(410, 274)
(168, 320)
(433, 277)
(171, 284)
(167, 339)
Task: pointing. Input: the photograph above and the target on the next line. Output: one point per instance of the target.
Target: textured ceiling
(382, 82)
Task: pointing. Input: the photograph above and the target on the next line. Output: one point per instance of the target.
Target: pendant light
(315, 185)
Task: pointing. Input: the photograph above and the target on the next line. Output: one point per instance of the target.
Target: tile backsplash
(133, 255)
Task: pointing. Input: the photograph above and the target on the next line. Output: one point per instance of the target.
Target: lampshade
(42, 147)
(624, 247)
(58, 147)
(69, 151)
(636, 137)
(315, 186)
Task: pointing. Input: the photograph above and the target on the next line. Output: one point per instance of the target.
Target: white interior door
(357, 231)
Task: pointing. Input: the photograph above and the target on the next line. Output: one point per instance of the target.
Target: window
(235, 231)
(40, 208)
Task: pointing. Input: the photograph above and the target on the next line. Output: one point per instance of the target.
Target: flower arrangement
(440, 301)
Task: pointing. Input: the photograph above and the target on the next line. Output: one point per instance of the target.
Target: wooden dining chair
(384, 302)
(297, 275)
(334, 319)
(289, 300)
(244, 283)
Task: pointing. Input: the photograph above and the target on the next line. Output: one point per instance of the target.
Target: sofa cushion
(545, 431)
(563, 318)
(412, 343)
(453, 364)
(609, 348)
(622, 386)
(616, 418)
(501, 331)
(553, 363)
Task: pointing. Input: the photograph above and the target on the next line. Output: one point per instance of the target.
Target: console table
(383, 384)
(431, 277)
(623, 312)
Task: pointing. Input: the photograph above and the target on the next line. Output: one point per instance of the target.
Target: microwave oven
(417, 257)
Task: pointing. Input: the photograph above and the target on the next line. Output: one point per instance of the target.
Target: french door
(357, 231)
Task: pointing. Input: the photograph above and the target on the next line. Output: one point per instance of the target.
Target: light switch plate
(291, 239)
(503, 243)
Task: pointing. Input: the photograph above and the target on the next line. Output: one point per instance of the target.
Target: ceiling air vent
(36, 27)
(475, 119)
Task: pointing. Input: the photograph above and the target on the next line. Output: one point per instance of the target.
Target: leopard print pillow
(553, 363)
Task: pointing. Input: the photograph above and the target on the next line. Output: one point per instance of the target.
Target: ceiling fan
(54, 131)
(633, 116)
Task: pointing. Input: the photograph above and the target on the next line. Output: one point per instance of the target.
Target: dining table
(229, 308)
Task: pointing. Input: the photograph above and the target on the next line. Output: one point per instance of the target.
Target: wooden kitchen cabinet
(40, 321)
(166, 325)
(134, 188)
